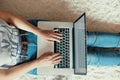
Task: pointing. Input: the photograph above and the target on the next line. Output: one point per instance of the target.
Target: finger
(56, 35)
(56, 58)
(56, 62)
(55, 39)
(52, 55)
(50, 40)
(59, 34)
(55, 55)
(55, 30)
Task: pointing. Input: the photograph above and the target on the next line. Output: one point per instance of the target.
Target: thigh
(105, 40)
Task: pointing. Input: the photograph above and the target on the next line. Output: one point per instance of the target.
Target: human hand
(49, 59)
(50, 35)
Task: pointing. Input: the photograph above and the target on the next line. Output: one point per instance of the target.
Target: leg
(103, 57)
(104, 40)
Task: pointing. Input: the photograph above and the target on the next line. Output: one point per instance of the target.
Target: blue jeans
(103, 57)
(104, 40)
(96, 57)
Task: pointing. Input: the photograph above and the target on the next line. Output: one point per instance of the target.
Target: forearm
(24, 25)
(19, 70)
(19, 22)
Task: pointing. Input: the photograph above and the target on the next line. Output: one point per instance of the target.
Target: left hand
(48, 59)
(51, 35)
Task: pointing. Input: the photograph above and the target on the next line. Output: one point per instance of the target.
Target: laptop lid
(80, 52)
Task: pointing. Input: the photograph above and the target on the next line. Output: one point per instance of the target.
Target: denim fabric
(103, 57)
(32, 47)
(104, 40)
(31, 50)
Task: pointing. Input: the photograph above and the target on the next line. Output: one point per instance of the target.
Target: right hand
(50, 35)
(49, 59)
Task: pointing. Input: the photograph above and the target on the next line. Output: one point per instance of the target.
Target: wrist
(37, 61)
(37, 31)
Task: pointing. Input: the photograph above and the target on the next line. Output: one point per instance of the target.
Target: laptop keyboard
(63, 48)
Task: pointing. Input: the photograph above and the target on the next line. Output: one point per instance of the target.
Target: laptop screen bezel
(74, 44)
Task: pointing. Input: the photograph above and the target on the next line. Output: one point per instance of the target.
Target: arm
(20, 23)
(17, 71)
(46, 59)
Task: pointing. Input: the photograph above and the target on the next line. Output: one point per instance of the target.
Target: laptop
(72, 47)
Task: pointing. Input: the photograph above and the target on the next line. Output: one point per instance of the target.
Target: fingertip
(55, 30)
(58, 41)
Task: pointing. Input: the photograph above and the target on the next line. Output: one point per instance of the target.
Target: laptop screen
(80, 63)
